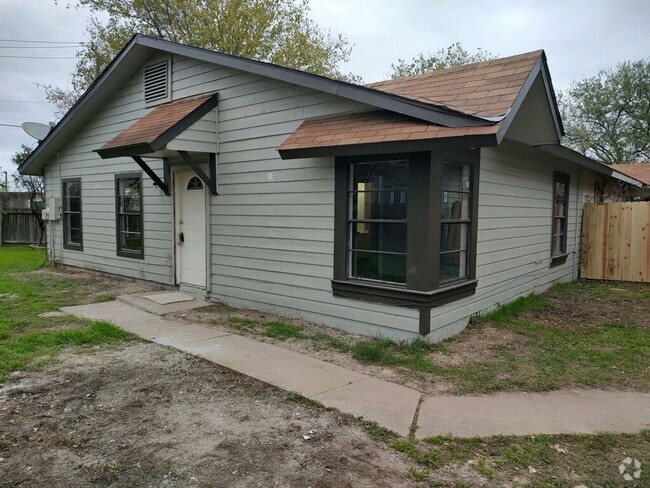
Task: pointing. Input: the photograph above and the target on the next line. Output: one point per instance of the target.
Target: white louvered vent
(156, 82)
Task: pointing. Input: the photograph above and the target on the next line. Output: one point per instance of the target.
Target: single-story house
(399, 208)
(639, 171)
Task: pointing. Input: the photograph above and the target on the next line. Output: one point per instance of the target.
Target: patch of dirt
(477, 343)
(145, 415)
(95, 287)
(584, 315)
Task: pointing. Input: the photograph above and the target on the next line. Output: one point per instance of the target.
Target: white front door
(190, 201)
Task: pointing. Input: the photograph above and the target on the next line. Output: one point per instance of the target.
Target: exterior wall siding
(514, 235)
(271, 225)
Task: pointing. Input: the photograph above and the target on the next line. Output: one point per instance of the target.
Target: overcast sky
(579, 36)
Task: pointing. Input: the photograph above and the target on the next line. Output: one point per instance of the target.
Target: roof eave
(412, 145)
(582, 160)
(24, 167)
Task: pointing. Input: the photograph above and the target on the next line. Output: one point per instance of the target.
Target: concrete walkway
(390, 405)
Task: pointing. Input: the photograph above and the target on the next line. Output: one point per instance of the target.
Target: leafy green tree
(454, 55)
(607, 116)
(276, 31)
(33, 185)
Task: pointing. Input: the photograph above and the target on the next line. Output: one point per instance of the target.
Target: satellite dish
(36, 130)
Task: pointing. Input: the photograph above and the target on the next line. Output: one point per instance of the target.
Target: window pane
(72, 204)
(129, 187)
(72, 228)
(455, 206)
(380, 175)
(558, 209)
(130, 223)
(377, 266)
(456, 177)
(71, 189)
(379, 237)
(557, 247)
(453, 266)
(130, 204)
(382, 205)
(454, 237)
(560, 190)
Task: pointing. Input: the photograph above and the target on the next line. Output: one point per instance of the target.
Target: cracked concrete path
(390, 405)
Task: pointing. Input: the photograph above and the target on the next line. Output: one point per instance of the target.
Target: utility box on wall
(53, 210)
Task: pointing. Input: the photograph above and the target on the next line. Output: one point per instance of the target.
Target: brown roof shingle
(371, 127)
(161, 119)
(486, 89)
(639, 171)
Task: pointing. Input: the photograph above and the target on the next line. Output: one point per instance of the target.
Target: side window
(377, 223)
(455, 221)
(560, 212)
(129, 222)
(72, 223)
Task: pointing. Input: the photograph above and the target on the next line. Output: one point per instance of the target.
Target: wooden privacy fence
(19, 226)
(616, 241)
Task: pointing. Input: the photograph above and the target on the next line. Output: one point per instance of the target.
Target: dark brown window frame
(71, 246)
(560, 257)
(120, 251)
(423, 288)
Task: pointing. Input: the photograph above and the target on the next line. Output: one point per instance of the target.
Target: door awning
(159, 127)
(154, 134)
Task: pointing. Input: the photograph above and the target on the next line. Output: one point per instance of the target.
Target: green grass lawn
(27, 340)
(584, 334)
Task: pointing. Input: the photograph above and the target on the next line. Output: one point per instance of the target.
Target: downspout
(58, 163)
(578, 237)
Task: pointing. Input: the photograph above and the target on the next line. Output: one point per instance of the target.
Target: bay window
(405, 227)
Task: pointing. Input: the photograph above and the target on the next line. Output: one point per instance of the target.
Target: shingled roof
(487, 89)
(154, 130)
(639, 171)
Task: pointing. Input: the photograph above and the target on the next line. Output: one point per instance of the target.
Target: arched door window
(195, 183)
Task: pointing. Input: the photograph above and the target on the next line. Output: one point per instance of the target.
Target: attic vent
(156, 82)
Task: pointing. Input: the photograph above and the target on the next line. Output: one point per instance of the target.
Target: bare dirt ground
(145, 415)
(93, 287)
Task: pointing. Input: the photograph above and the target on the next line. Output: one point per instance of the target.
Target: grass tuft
(240, 323)
(296, 397)
(282, 331)
(509, 311)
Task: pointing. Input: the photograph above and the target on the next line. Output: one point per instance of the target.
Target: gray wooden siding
(514, 236)
(77, 159)
(272, 223)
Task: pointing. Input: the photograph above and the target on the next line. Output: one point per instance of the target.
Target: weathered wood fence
(20, 226)
(616, 241)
